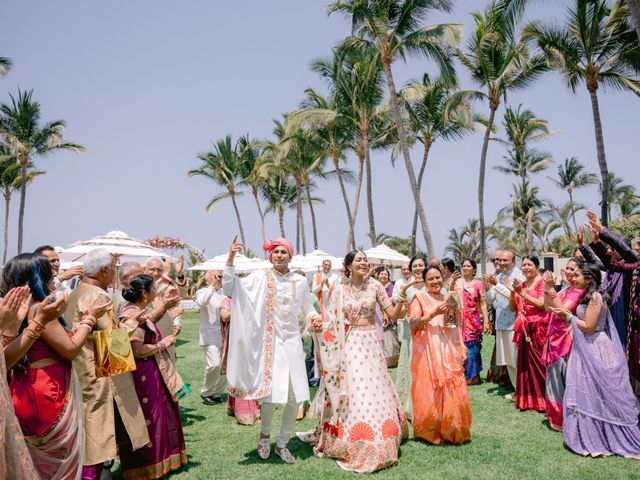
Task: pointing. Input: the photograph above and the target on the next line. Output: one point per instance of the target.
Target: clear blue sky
(145, 86)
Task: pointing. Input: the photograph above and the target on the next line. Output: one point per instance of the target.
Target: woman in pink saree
(558, 342)
(363, 438)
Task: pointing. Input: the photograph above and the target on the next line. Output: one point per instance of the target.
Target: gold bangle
(31, 333)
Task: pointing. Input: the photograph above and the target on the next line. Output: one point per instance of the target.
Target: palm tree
(392, 29)
(280, 195)
(9, 183)
(334, 133)
(634, 14)
(435, 109)
(619, 193)
(571, 175)
(5, 66)
(500, 62)
(20, 125)
(464, 242)
(223, 166)
(596, 46)
(525, 208)
(629, 204)
(250, 160)
(522, 129)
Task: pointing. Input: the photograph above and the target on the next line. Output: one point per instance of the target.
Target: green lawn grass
(505, 443)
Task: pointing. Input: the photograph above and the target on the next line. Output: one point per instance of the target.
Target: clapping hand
(170, 298)
(549, 280)
(491, 279)
(49, 310)
(10, 307)
(180, 266)
(561, 312)
(517, 286)
(507, 283)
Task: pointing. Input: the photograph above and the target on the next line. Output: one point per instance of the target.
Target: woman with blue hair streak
(44, 388)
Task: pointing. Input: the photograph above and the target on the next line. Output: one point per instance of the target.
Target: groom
(266, 359)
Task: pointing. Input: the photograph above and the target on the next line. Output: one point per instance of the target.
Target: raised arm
(229, 273)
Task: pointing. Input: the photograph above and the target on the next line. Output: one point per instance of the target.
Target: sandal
(264, 448)
(285, 455)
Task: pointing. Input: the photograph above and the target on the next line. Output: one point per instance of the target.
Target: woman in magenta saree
(530, 333)
(158, 386)
(474, 316)
(558, 343)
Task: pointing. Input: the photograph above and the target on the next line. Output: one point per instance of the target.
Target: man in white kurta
(323, 284)
(498, 296)
(213, 311)
(266, 359)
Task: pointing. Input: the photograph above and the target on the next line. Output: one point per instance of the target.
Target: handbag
(112, 351)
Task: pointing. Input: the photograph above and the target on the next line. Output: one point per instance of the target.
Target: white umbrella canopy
(242, 263)
(386, 256)
(312, 262)
(126, 248)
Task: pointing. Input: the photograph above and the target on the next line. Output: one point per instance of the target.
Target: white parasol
(386, 256)
(118, 243)
(242, 263)
(312, 262)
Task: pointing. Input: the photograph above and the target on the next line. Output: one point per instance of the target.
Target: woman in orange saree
(441, 408)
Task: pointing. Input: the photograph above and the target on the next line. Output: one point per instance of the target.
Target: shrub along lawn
(505, 443)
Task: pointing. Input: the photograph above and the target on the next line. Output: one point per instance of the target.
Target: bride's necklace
(356, 294)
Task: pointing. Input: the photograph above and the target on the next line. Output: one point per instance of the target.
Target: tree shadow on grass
(180, 341)
(188, 417)
(500, 390)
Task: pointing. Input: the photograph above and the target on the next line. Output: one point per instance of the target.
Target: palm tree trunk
(300, 215)
(483, 165)
(423, 166)
(634, 14)
(602, 160)
(407, 158)
(367, 164)
(345, 197)
(281, 220)
(7, 203)
(235, 208)
(356, 201)
(254, 192)
(313, 216)
(23, 198)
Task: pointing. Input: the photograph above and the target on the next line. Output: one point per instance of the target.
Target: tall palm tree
(596, 46)
(280, 194)
(393, 29)
(629, 204)
(5, 66)
(10, 179)
(464, 242)
(250, 154)
(435, 109)
(571, 175)
(28, 138)
(223, 166)
(522, 129)
(499, 62)
(333, 131)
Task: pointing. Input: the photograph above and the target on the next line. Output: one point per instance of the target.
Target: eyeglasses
(156, 269)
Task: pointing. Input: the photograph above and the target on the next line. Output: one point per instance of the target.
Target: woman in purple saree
(600, 409)
(158, 386)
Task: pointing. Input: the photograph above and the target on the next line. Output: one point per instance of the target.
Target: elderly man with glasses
(214, 310)
(498, 295)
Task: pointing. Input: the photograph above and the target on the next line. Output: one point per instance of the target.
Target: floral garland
(166, 243)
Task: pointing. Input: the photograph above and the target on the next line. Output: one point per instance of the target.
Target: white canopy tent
(312, 262)
(242, 263)
(126, 248)
(384, 255)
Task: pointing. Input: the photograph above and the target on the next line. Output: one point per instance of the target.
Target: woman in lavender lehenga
(600, 409)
